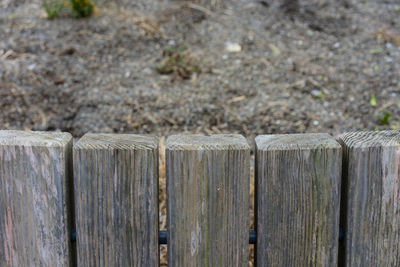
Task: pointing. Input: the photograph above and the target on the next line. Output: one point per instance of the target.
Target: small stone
(147, 71)
(315, 123)
(32, 67)
(275, 50)
(233, 47)
(315, 92)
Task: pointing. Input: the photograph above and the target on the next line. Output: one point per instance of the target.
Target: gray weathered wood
(116, 200)
(34, 199)
(207, 200)
(297, 199)
(371, 199)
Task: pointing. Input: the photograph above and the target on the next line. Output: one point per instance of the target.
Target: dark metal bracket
(163, 240)
(162, 237)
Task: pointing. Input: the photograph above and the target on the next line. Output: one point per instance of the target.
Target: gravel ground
(315, 72)
(318, 71)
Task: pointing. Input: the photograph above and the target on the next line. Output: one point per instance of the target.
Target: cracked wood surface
(35, 215)
(297, 199)
(207, 200)
(371, 205)
(116, 200)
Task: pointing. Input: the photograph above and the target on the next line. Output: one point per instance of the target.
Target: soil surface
(312, 72)
(233, 66)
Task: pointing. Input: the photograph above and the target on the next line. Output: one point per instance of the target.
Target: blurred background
(206, 66)
(209, 66)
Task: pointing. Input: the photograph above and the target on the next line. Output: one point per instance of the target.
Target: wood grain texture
(34, 197)
(207, 200)
(371, 199)
(297, 200)
(116, 200)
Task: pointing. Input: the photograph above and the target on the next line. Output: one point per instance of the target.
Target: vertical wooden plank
(34, 198)
(371, 199)
(116, 200)
(297, 199)
(207, 200)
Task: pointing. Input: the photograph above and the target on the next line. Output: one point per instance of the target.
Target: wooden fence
(309, 189)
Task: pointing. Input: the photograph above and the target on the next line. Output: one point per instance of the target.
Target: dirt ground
(246, 68)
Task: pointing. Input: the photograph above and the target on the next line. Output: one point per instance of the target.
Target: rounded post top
(207, 142)
(32, 138)
(117, 141)
(371, 139)
(296, 141)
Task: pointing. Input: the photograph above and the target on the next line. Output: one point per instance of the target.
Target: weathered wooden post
(35, 199)
(297, 200)
(116, 200)
(207, 200)
(371, 199)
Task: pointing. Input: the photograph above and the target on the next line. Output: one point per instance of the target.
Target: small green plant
(178, 61)
(375, 51)
(384, 118)
(372, 101)
(53, 7)
(83, 8)
(395, 126)
(318, 94)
